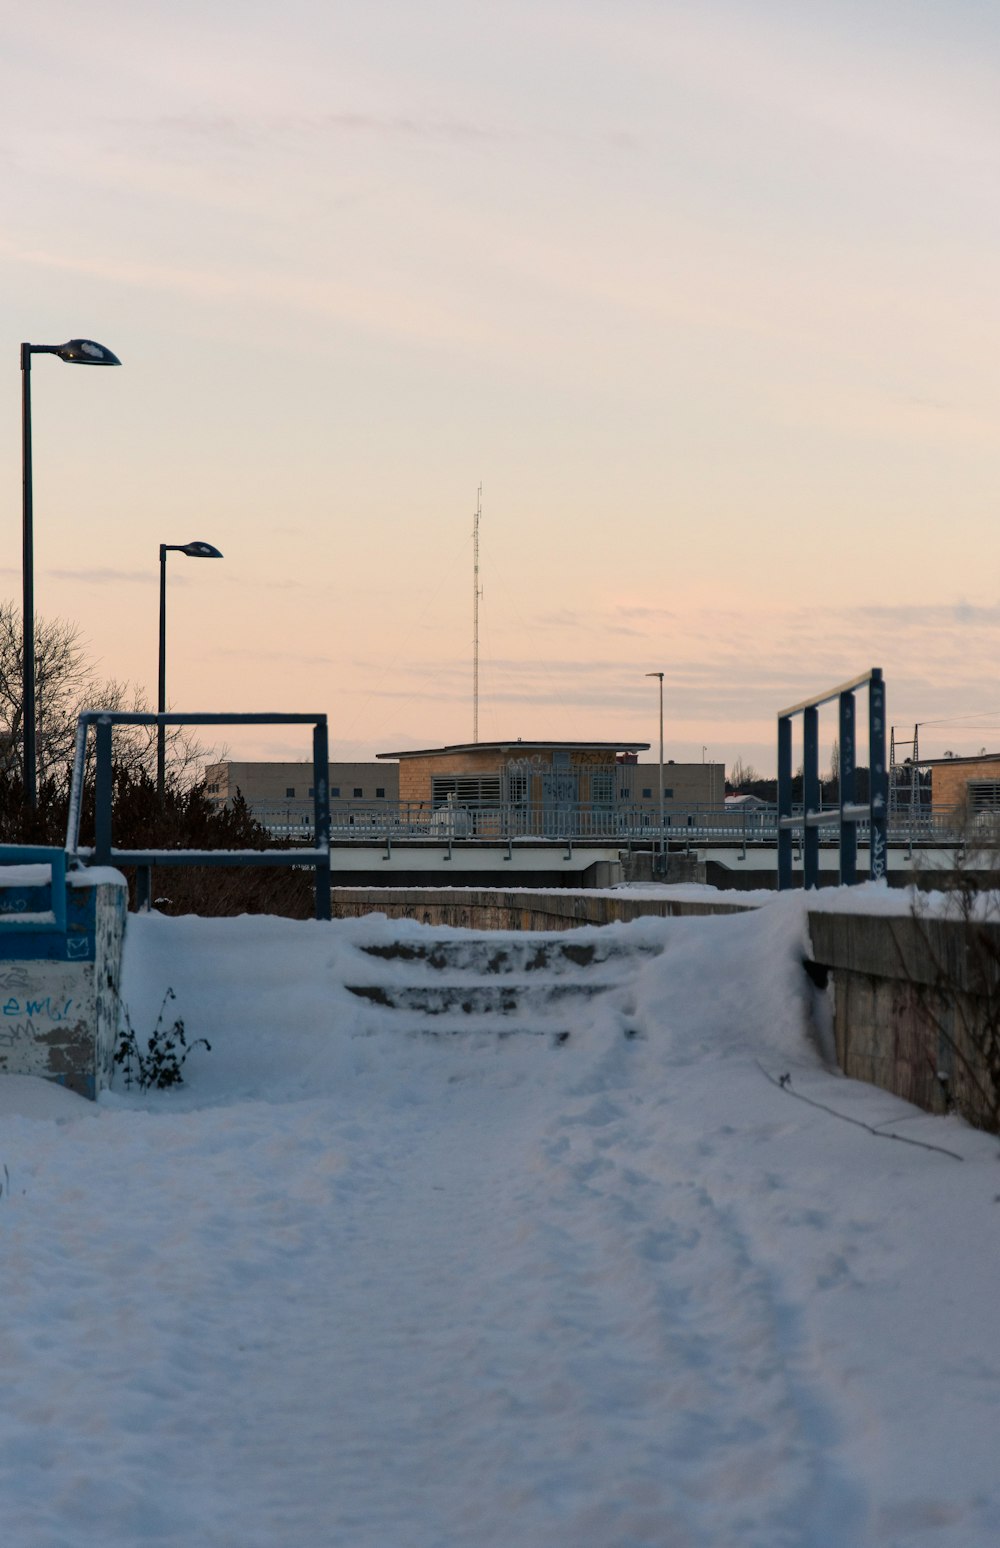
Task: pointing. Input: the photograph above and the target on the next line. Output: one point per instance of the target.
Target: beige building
(685, 785)
(541, 780)
(279, 784)
(960, 782)
(534, 775)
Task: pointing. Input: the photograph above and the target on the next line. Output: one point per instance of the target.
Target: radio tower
(477, 592)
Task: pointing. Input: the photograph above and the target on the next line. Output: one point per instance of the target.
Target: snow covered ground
(354, 1286)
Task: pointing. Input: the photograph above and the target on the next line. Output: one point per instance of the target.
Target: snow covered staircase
(483, 982)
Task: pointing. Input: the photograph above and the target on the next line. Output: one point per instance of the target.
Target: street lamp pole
(196, 550)
(75, 352)
(663, 840)
(28, 761)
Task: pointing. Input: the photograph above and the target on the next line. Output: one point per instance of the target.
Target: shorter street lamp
(195, 550)
(75, 352)
(663, 841)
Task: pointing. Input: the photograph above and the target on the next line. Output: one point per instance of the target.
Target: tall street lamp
(76, 352)
(663, 841)
(196, 550)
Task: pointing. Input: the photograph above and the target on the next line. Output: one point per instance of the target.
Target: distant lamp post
(76, 352)
(663, 839)
(197, 550)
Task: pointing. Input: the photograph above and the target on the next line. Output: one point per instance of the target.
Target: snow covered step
(460, 1025)
(489, 956)
(470, 999)
(538, 984)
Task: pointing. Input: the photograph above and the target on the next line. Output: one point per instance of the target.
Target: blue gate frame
(875, 811)
(104, 853)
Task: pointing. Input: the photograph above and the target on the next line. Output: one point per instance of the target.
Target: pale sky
(704, 295)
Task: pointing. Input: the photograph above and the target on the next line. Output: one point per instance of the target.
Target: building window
(358, 792)
(983, 794)
(517, 789)
(465, 789)
(334, 790)
(380, 792)
(602, 787)
(289, 791)
(647, 794)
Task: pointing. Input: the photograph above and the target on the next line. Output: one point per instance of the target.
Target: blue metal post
(321, 815)
(103, 782)
(784, 802)
(879, 777)
(848, 791)
(811, 796)
(29, 764)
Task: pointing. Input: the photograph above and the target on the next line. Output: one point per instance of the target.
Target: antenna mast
(477, 592)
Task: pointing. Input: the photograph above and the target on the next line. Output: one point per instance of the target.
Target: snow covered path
(361, 1288)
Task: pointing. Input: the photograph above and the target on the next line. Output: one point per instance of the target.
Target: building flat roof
(945, 763)
(526, 746)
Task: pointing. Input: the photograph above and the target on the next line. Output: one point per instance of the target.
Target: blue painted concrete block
(61, 939)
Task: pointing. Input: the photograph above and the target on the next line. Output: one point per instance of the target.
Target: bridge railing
(627, 826)
(354, 822)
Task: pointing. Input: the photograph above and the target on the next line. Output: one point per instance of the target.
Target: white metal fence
(378, 822)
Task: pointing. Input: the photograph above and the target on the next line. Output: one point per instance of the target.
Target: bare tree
(65, 684)
(62, 680)
(742, 774)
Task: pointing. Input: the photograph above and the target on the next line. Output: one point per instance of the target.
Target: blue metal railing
(16, 894)
(874, 812)
(104, 853)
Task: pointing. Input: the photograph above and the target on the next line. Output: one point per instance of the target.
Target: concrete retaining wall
(514, 910)
(916, 1007)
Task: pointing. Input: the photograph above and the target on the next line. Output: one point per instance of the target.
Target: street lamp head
(85, 352)
(199, 550)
